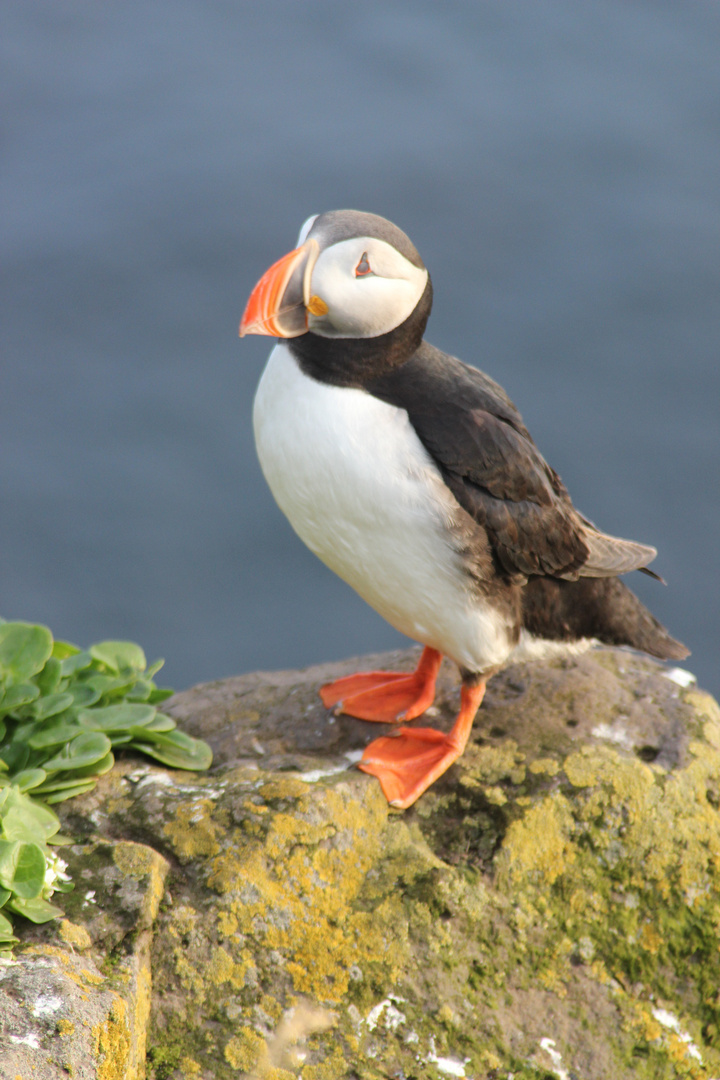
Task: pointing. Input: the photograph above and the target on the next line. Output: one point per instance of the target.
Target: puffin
(412, 476)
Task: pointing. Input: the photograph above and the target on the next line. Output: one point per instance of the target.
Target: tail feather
(610, 556)
(602, 608)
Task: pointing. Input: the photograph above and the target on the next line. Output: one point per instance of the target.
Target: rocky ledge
(549, 909)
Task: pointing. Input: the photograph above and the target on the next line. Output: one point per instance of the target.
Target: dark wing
(493, 468)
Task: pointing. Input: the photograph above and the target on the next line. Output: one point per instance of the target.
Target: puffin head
(352, 276)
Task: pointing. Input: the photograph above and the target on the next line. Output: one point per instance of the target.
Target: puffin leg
(386, 696)
(407, 762)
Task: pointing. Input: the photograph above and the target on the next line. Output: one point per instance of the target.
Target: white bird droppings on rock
(314, 775)
(666, 1019)
(393, 1017)
(449, 1066)
(680, 676)
(614, 733)
(548, 1045)
(31, 1039)
(142, 780)
(669, 1020)
(46, 1005)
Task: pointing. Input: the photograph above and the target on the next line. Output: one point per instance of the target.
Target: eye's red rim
(363, 268)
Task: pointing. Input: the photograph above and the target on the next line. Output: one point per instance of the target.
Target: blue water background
(557, 163)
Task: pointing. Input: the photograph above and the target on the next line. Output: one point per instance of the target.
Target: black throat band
(355, 362)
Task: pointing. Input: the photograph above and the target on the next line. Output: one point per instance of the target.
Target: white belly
(362, 492)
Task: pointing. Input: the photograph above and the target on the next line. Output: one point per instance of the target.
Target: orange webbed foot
(409, 761)
(386, 696)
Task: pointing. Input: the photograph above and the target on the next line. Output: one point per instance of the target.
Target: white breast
(361, 491)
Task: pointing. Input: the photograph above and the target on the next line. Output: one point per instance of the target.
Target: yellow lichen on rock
(190, 1068)
(221, 967)
(142, 1001)
(544, 765)
(707, 707)
(227, 923)
(495, 796)
(74, 935)
(625, 869)
(538, 846)
(630, 780)
(93, 978)
(663, 823)
(142, 863)
(246, 1051)
(296, 886)
(669, 828)
(112, 1045)
(192, 832)
(332, 1068)
(490, 764)
(283, 787)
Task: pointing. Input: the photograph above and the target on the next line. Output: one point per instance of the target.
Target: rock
(550, 908)
(76, 1001)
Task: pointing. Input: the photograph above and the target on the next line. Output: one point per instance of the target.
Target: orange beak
(278, 304)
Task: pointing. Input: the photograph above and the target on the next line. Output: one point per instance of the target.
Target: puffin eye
(363, 267)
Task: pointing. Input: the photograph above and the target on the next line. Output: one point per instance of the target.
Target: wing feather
(489, 461)
(609, 555)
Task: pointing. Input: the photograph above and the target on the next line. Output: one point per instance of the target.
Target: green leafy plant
(63, 711)
(30, 871)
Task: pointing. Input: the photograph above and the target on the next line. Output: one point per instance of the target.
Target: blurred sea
(557, 163)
